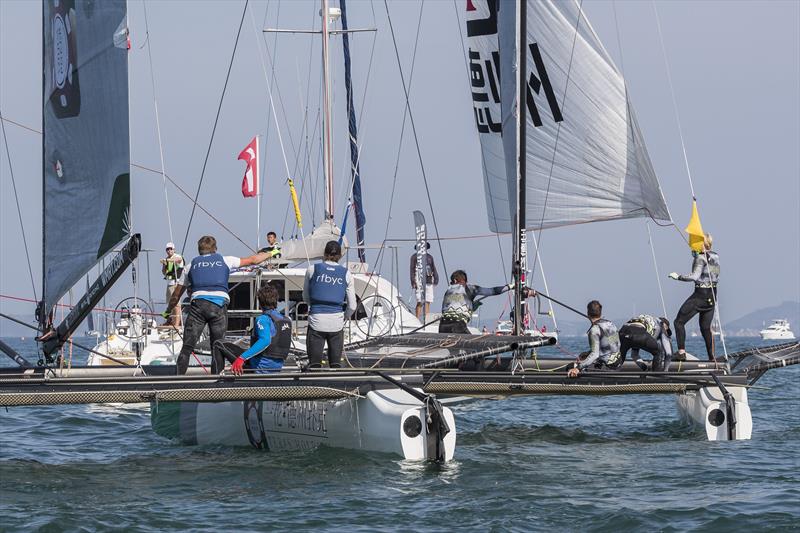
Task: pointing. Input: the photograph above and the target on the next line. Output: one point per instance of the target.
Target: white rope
(158, 121)
(274, 114)
(674, 102)
(655, 267)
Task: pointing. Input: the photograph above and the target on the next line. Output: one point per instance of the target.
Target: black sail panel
(86, 152)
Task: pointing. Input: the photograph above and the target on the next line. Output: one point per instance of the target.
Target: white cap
(170, 245)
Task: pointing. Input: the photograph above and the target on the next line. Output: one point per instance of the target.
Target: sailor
(172, 269)
(206, 277)
(648, 333)
(269, 343)
(431, 279)
(329, 291)
(273, 248)
(705, 273)
(603, 343)
(459, 302)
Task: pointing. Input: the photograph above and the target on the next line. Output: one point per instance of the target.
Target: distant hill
(752, 323)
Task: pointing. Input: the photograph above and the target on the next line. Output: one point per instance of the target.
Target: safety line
(414, 130)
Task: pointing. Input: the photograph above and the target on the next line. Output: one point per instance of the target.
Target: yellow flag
(695, 230)
(296, 204)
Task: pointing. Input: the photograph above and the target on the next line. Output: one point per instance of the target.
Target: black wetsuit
(647, 333)
(705, 273)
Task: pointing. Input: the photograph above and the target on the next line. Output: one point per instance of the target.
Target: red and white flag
(250, 156)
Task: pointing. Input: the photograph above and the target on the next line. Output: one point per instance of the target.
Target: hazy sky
(735, 67)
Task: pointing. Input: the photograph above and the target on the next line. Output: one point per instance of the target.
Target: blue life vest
(209, 273)
(328, 288)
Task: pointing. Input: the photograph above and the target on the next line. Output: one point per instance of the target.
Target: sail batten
(586, 160)
(86, 148)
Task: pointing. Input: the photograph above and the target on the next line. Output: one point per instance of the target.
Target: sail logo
(537, 82)
(484, 65)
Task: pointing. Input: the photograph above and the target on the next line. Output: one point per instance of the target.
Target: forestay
(86, 155)
(586, 158)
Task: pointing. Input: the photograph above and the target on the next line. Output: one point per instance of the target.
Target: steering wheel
(380, 316)
(123, 310)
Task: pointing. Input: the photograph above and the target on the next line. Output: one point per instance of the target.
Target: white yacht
(136, 339)
(504, 327)
(778, 330)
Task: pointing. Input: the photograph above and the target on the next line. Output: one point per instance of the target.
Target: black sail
(86, 150)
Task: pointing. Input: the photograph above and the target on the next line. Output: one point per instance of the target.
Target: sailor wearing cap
(172, 269)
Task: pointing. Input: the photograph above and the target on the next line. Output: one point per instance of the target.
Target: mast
(326, 116)
(520, 244)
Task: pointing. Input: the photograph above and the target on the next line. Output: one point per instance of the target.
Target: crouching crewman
(269, 343)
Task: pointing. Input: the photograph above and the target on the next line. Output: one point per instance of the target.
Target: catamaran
(561, 145)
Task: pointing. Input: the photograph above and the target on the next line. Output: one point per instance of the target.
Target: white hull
(707, 408)
(769, 335)
(779, 330)
(390, 421)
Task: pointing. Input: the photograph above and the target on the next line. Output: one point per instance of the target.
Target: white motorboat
(779, 330)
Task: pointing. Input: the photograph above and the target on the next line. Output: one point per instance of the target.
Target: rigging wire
(402, 134)
(414, 130)
(272, 84)
(647, 220)
(158, 121)
(199, 206)
(686, 162)
(274, 114)
(16, 199)
(674, 101)
(214, 129)
(558, 128)
(655, 267)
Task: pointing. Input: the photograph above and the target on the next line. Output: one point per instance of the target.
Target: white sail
(313, 246)
(586, 158)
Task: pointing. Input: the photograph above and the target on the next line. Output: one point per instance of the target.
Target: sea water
(556, 463)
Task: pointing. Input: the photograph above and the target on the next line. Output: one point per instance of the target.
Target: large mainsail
(586, 159)
(86, 154)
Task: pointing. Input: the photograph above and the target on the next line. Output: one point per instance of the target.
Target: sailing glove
(674, 275)
(238, 366)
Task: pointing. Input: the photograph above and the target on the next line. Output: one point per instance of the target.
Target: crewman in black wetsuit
(603, 343)
(705, 274)
(458, 302)
(648, 333)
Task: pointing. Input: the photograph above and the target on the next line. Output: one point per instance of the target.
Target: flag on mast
(695, 230)
(250, 156)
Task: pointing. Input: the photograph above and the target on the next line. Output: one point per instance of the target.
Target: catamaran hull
(390, 421)
(708, 409)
